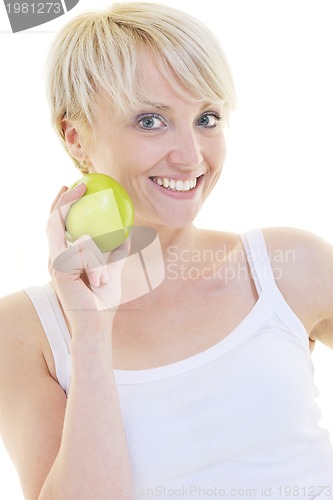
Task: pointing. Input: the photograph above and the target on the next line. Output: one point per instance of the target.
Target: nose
(186, 149)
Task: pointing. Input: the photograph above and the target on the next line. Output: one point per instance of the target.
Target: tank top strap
(258, 259)
(53, 322)
(265, 278)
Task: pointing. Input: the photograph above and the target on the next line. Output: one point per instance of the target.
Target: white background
(280, 154)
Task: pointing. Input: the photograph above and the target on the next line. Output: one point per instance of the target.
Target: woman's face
(168, 154)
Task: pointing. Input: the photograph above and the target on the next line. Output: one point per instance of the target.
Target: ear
(73, 138)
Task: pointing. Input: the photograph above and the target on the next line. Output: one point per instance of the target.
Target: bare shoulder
(295, 238)
(304, 262)
(21, 333)
(16, 314)
(32, 402)
(20, 330)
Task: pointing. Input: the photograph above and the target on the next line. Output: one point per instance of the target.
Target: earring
(83, 167)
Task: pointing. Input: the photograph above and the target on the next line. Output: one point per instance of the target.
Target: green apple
(105, 212)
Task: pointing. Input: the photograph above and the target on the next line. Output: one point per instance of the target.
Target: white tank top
(236, 420)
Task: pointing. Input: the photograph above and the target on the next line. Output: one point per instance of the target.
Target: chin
(172, 221)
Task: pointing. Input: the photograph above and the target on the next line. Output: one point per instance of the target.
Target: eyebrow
(165, 107)
(157, 105)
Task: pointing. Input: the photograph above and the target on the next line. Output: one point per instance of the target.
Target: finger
(104, 275)
(83, 256)
(68, 197)
(108, 295)
(61, 192)
(94, 277)
(94, 263)
(55, 229)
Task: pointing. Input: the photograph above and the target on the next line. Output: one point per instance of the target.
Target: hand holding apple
(105, 212)
(86, 280)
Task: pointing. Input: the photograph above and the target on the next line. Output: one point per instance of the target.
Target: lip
(179, 195)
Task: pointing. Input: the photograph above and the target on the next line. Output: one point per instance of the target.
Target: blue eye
(151, 122)
(209, 120)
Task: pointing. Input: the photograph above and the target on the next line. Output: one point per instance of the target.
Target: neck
(184, 238)
(179, 239)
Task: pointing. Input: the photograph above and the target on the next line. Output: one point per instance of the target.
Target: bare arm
(73, 447)
(32, 403)
(306, 263)
(92, 461)
(93, 458)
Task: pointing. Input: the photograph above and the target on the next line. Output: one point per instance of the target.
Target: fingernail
(78, 185)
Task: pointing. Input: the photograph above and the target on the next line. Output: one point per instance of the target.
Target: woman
(203, 386)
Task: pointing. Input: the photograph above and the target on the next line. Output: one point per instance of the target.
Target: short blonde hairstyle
(102, 51)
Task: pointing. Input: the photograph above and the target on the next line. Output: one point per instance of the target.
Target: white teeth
(175, 185)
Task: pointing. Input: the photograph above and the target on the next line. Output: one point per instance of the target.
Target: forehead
(158, 84)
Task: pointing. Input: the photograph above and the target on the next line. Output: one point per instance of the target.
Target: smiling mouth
(176, 184)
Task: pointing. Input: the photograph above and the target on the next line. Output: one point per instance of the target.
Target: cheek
(109, 158)
(143, 154)
(217, 154)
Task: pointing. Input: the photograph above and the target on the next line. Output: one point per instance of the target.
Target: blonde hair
(102, 51)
